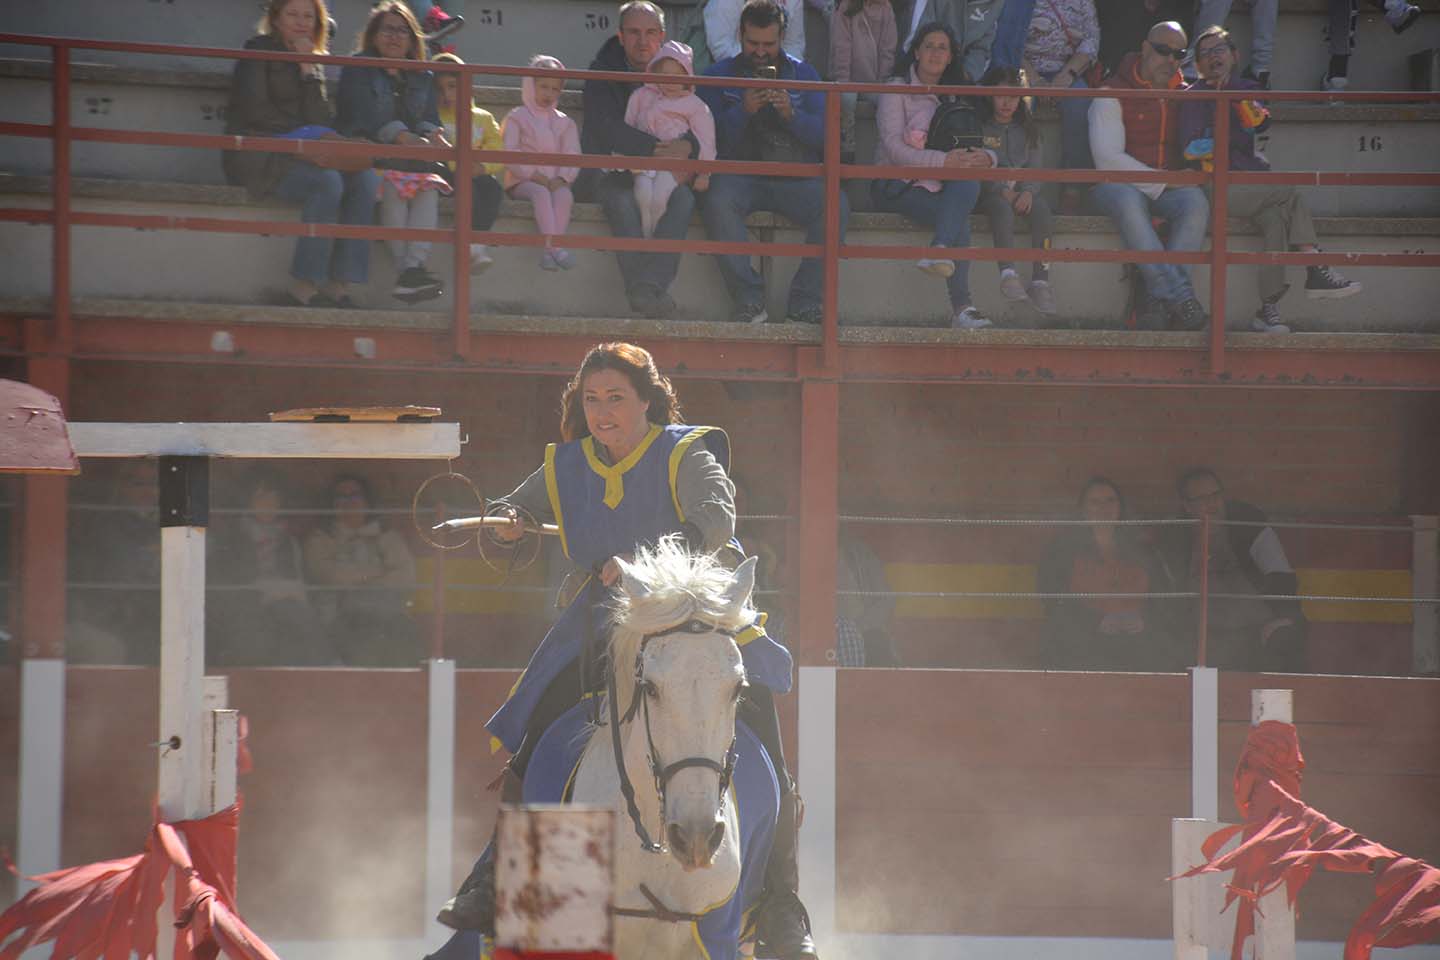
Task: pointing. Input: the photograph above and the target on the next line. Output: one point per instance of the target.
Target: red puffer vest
(1151, 126)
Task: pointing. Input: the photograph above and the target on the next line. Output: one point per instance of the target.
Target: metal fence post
(1202, 641)
(60, 225)
(464, 164)
(830, 345)
(1219, 241)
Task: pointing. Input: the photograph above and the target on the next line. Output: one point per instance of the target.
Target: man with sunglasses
(1142, 135)
(1278, 210)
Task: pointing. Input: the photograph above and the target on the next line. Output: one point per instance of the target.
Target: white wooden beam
(439, 792)
(1204, 743)
(42, 762)
(182, 673)
(314, 441)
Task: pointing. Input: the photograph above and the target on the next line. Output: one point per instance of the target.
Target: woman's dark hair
(638, 367)
(365, 44)
(954, 74)
(319, 34)
(1010, 77)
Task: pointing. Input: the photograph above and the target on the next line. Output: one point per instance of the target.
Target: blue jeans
(1187, 212)
(947, 211)
(644, 273)
(1075, 129)
(329, 196)
(1013, 25)
(733, 197)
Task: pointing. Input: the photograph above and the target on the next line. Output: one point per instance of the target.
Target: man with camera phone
(771, 124)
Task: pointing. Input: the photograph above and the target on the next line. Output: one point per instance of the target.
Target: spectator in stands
(1136, 134)
(1263, 15)
(1340, 28)
(390, 105)
(1104, 557)
(647, 276)
(113, 566)
(1247, 563)
(369, 571)
(1124, 23)
(289, 99)
(1062, 49)
(862, 50)
(261, 615)
(539, 126)
(767, 124)
(669, 110)
(485, 189)
(1279, 211)
(722, 28)
(971, 24)
(1011, 132)
(862, 623)
(904, 121)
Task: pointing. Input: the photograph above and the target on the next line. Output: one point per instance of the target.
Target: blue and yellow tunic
(606, 510)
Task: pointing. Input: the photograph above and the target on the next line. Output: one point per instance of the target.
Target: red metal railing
(63, 217)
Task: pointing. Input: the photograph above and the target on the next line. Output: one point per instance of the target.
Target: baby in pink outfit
(538, 127)
(668, 111)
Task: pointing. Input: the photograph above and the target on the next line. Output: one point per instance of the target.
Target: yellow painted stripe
(675, 456)
(472, 571)
(614, 477)
(1356, 583)
(552, 489)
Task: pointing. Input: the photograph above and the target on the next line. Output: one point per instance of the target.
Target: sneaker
(1334, 84)
(563, 258)
(970, 319)
(1400, 15)
(1010, 286)
(480, 259)
(1152, 315)
(548, 261)
(939, 268)
(1267, 319)
(1187, 315)
(810, 315)
(1325, 283)
(750, 313)
(416, 284)
(1042, 297)
(660, 306)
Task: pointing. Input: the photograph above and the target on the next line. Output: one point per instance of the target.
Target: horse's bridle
(639, 702)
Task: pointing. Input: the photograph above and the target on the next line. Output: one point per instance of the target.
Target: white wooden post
(1425, 584)
(182, 672)
(1274, 920)
(42, 752)
(1204, 743)
(816, 775)
(439, 794)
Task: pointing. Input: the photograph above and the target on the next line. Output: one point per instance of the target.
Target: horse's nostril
(717, 836)
(679, 842)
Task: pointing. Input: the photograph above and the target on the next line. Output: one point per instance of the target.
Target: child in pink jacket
(669, 111)
(538, 127)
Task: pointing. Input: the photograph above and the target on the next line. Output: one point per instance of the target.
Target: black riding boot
(782, 924)
(473, 906)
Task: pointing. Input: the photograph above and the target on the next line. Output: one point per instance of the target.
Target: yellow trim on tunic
(552, 490)
(614, 477)
(756, 629)
(675, 456)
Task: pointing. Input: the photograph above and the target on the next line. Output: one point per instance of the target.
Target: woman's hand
(407, 139)
(967, 157)
(1023, 201)
(439, 139)
(540, 178)
(511, 533)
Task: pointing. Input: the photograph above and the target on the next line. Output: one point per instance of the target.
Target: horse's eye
(740, 689)
(650, 690)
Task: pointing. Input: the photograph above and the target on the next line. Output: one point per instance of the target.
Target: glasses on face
(1165, 51)
(391, 30)
(1211, 53)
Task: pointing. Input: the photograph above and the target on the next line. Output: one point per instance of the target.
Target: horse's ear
(742, 582)
(635, 588)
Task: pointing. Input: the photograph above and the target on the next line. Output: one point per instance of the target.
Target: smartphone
(768, 72)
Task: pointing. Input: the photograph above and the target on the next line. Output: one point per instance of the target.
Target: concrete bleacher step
(1368, 138)
(510, 31)
(190, 266)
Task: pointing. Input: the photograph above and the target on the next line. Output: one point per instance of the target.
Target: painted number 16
(1370, 144)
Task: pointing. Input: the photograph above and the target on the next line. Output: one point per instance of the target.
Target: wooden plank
(312, 441)
(395, 414)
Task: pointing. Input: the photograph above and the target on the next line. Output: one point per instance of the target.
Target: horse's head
(677, 663)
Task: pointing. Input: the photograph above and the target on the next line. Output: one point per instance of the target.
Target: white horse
(678, 679)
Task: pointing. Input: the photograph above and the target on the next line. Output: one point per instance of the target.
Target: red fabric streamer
(1284, 841)
(107, 910)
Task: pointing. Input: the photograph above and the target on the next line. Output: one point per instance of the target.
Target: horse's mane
(670, 586)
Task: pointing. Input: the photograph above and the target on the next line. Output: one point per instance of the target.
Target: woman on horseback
(628, 473)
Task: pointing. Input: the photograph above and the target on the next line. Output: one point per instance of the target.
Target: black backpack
(956, 125)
